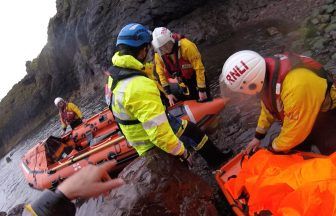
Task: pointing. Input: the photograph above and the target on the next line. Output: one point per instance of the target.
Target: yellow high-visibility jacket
(149, 68)
(138, 98)
(188, 52)
(70, 107)
(303, 94)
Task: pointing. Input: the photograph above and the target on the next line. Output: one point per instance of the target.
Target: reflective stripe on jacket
(70, 114)
(138, 98)
(189, 58)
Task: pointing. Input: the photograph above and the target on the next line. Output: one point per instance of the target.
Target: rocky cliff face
(81, 40)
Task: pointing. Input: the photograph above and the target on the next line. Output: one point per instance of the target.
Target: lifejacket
(277, 67)
(108, 85)
(178, 66)
(118, 74)
(68, 116)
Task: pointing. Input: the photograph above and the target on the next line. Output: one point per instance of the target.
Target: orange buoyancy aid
(175, 64)
(277, 67)
(285, 184)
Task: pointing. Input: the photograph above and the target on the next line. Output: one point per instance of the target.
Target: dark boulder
(17, 210)
(159, 184)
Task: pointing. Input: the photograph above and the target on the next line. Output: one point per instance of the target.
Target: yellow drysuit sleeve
(302, 94)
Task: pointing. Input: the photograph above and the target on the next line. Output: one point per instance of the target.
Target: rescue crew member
(294, 89)
(69, 114)
(90, 181)
(137, 106)
(178, 58)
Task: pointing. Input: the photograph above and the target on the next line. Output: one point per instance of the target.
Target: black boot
(213, 156)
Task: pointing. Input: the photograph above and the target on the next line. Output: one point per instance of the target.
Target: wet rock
(322, 9)
(273, 31)
(297, 45)
(233, 129)
(330, 9)
(308, 53)
(246, 136)
(294, 35)
(330, 27)
(331, 66)
(314, 13)
(159, 184)
(3, 214)
(319, 43)
(321, 27)
(324, 18)
(332, 49)
(315, 21)
(333, 19)
(17, 210)
(333, 56)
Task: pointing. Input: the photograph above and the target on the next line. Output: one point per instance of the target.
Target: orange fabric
(287, 184)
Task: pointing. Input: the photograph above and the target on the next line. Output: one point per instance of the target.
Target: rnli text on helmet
(236, 72)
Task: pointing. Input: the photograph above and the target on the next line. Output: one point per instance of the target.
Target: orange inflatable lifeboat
(98, 140)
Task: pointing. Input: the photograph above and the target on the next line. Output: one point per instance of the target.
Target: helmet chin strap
(149, 55)
(62, 107)
(141, 57)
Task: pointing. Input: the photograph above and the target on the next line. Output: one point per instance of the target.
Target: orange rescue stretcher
(301, 183)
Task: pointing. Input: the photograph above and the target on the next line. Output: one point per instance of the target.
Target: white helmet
(161, 36)
(57, 100)
(244, 72)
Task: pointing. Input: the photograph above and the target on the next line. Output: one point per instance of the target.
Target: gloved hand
(252, 146)
(171, 99)
(202, 96)
(95, 180)
(187, 158)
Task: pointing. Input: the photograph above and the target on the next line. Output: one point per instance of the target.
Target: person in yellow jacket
(137, 107)
(177, 58)
(69, 114)
(136, 102)
(294, 90)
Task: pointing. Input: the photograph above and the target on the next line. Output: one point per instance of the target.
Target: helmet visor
(166, 48)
